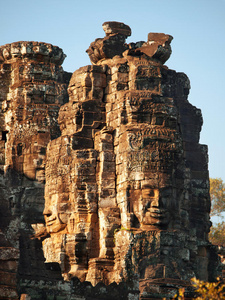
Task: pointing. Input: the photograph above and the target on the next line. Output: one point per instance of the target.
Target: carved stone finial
(116, 27)
(158, 46)
(112, 44)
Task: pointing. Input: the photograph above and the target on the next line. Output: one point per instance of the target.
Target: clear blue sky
(198, 28)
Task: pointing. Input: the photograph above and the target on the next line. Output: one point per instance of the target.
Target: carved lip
(157, 213)
(50, 222)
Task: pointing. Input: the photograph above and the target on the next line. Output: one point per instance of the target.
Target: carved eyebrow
(150, 192)
(147, 187)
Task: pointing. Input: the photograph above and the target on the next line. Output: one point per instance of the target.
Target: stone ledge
(33, 50)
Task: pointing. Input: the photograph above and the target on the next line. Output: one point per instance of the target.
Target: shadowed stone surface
(117, 170)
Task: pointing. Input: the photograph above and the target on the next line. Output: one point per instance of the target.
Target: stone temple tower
(124, 179)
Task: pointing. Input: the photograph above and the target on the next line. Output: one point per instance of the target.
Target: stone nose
(157, 201)
(47, 212)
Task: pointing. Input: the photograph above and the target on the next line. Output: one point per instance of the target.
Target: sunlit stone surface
(116, 169)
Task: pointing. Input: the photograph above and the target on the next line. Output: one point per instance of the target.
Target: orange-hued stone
(115, 166)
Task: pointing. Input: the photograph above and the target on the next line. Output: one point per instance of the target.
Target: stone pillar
(71, 193)
(33, 87)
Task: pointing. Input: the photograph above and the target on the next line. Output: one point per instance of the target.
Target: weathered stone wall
(33, 87)
(124, 181)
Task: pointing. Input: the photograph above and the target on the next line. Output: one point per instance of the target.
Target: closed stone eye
(148, 193)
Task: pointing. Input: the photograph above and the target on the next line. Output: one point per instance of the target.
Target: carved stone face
(153, 206)
(56, 213)
(29, 156)
(157, 205)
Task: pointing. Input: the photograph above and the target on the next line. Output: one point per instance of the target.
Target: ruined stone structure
(33, 86)
(115, 166)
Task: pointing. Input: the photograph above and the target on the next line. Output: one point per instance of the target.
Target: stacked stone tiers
(41, 52)
(32, 89)
(128, 115)
(115, 165)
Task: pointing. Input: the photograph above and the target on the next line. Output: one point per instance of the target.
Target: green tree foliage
(212, 290)
(217, 195)
(217, 234)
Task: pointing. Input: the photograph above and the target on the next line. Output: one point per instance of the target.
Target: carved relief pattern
(118, 167)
